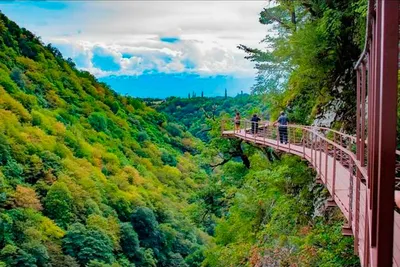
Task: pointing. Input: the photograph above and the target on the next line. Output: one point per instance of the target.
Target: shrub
(142, 136)
(98, 121)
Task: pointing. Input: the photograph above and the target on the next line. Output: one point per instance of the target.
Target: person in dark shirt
(254, 124)
(283, 132)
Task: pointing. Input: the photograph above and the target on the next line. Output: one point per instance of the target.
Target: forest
(92, 178)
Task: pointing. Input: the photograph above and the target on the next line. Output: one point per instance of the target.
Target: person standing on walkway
(283, 131)
(254, 124)
(237, 122)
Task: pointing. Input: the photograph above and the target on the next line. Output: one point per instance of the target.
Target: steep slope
(87, 177)
(269, 212)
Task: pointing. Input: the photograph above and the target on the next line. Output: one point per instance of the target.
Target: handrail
(353, 138)
(368, 33)
(315, 130)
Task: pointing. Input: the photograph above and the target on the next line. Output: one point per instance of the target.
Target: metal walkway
(333, 155)
(359, 172)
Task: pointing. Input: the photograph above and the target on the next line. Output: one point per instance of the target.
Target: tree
(145, 223)
(96, 246)
(130, 242)
(4, 150)
(146, 226)
(38, 251)
(86, 245)
(14, 256)
(98, 121)
(168, 159)
(26, 197)
(308, 65)
(58, 204)
(18, 77)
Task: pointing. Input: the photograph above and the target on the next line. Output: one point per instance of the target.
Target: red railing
(336, 158)
(377, 84)
(366, 164)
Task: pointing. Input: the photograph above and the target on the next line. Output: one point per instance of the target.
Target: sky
(151, 48)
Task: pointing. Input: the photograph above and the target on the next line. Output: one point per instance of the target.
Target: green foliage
(168, 159)
(76, 161)
(87, 244)
(124, 185)
(197, 113)
(98, 121)
(265, 214)
(58, 204)
(130, 242)
(309, 64)
(145, 224)
(271, 220)
(14, 256)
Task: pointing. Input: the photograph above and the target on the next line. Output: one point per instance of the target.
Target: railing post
(311, 139)
(357, 209)
(362, 117)
(277, 136)
(255, 125)
(326, 163)
(288, 136)
(303, 142)
(265, 133)
(245, 129)
(320, 157)
(366, 231)
(358, 85)
(334, 167)
(386, 160)
(351, 189)
(341, 151)
(315, 150)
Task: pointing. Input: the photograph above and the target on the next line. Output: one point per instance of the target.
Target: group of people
(282, 121)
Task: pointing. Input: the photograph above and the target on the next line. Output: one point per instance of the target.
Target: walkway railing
(376, 114)
(334, 155)
(364, 167)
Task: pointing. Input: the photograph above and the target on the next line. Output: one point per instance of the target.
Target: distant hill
(193, 113)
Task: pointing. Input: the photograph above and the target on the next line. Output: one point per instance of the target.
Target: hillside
(91, 178)
(197, 113)
(88, 177)
(262, 207)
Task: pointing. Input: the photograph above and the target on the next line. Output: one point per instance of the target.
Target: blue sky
(151, 48)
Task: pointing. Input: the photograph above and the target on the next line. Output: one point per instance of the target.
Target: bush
(58, 204)
(168, 159)
(130, 242)
(88, 245)
(142, 136)
(98, 121)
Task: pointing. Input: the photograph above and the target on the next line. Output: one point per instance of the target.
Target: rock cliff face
(329, 115)
(339, 112)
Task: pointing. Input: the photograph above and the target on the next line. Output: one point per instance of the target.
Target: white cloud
(209, 33)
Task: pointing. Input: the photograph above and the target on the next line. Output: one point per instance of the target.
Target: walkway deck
(338, 171)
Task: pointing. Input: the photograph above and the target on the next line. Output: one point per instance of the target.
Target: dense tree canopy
(92, 178)
(307, 66)
(88, 177)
